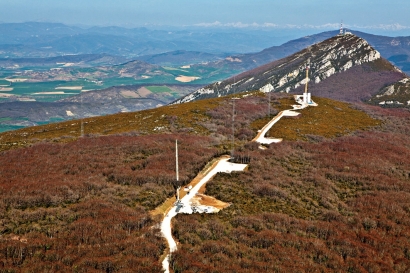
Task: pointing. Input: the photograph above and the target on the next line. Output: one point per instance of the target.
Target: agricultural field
(46, 83)
(159, 89)
(130, 86)
(50, 91)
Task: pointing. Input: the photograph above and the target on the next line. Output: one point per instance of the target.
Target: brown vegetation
(330, 206)
(327, 204)
(83, 206)
(179, 118)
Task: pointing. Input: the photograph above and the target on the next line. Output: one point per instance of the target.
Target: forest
(329, 198)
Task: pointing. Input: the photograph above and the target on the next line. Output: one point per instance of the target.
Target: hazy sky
(239, 13)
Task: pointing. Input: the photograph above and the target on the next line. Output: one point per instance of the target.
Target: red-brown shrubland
(332, 205)
(84, 206)
(324, 204)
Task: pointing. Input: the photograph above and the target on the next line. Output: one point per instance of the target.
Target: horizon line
(240, 25)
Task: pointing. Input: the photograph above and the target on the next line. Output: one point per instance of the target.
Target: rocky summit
(333, 56)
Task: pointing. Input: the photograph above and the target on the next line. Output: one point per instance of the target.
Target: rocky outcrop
(397, 95)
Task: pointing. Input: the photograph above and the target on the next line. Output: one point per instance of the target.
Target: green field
(52, 120)
(29, 89)
(159, 89)
(5, 128)
(4, 82)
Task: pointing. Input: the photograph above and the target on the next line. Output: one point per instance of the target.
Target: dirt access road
(222, 165)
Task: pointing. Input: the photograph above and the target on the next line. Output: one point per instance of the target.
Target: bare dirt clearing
(69, 88)
(143, 92)
(205, 200)
(186, 78)
(130, 94)
(6, 89)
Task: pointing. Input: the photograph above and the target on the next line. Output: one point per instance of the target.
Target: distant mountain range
(34, 39)
(395, 49)
(175, 47)
(132, 69)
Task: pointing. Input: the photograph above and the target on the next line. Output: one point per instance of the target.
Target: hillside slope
(180, 58)
(76, 70)
(321, 206)
(394, 95)
(60, 191)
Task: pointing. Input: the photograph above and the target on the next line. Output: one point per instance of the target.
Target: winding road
(222, 165)
(260, 137)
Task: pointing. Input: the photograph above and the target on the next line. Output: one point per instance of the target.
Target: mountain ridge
(395, 49)
(327, 58)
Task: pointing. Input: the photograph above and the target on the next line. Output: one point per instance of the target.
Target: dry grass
(164, 208)
(330, 119)
(174, 118)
